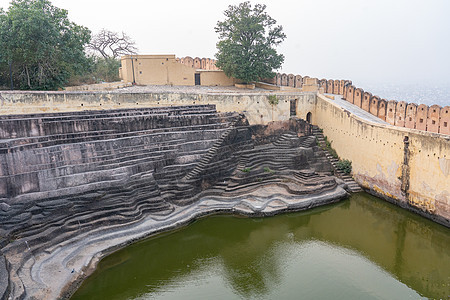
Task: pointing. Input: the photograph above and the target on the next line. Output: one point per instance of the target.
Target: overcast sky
(403, 41)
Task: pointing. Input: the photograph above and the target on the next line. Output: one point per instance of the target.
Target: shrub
(273, 100)
(345, 166)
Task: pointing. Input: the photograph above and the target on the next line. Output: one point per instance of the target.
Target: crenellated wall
(399, 113)
(406, 166)
(199, 63)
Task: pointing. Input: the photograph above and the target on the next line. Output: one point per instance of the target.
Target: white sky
(403, 41)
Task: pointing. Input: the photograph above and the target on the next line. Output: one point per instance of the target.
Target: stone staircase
(351, 183)
(70, 176)
(276, 164)
(66, 173)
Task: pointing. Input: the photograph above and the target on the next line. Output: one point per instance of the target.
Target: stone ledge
(78, 257)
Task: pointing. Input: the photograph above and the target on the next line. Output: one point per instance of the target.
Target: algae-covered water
(361, 248)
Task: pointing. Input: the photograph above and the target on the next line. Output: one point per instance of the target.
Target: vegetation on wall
(40, 47)
(247, 41)
(343, 165)
(273, 100)
(330, 149)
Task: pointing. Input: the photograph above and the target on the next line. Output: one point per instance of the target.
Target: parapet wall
(398, 113)
(256, 106)
(403, 165)
(105, 86)
(199, 63)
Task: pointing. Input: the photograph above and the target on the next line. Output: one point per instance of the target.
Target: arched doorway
(308, 117)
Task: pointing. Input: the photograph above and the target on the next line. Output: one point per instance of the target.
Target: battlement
(432, 118)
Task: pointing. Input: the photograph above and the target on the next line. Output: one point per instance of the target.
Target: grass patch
(268, 170)
(246, 170)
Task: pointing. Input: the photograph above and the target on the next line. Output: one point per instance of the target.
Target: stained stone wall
(55, 164)
(113, 166)
(406, 166)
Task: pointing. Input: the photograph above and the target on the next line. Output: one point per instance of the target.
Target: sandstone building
(169, 70)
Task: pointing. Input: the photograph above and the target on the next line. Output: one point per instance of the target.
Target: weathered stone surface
(78, 184)
(3, 278)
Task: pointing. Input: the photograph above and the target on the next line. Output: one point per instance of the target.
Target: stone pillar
(357, 98)
(390, 111)
(284, 80)
(421, 117)
(291, 81)
(298, 81)
(411, 110)
(330, 85)
(444, 124)
(434, 113)
(373, 108)
(336, 86)
(382, 108)
(365, 103)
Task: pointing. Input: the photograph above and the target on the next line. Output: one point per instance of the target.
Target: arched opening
(308, 117)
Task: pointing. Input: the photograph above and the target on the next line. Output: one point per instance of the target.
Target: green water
(361, 248)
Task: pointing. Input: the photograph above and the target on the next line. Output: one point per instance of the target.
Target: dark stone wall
(68, 172)
(64, 174)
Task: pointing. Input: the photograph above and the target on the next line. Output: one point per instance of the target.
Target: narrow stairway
(352, 185)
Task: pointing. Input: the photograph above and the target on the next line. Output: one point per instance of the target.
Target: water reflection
(362, 247)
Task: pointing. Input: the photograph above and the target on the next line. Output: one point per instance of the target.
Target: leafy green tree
(247, 41)
(43, 47)
(100, 70)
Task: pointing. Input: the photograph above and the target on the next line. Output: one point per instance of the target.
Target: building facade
(169, 70)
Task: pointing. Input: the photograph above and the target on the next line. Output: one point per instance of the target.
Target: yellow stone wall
(215, 78)
(377, 153)
(166, 70)
(155, 70)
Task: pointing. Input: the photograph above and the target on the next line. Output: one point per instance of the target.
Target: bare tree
(112, 44)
